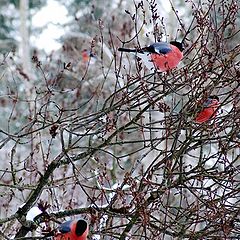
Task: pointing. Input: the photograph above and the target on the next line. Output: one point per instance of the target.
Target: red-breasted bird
(209, 110)
(73, 230)
(88, 56)
(161, 56)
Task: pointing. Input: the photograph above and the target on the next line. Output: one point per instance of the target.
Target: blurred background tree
(89, 132)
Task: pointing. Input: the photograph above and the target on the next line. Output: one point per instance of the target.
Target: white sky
(50, 17)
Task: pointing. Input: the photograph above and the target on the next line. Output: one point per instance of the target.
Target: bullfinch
(209, 110)
(87, 56)
(73, 230)
(161, 56)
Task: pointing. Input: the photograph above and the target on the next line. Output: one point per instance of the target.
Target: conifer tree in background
(113, 143)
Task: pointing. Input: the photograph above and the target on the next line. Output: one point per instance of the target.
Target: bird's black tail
(132, 50)
(127, 50)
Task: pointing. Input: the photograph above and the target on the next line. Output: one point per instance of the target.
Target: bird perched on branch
(73, 230)
(88, 57)
(161, 56)
(209, 110)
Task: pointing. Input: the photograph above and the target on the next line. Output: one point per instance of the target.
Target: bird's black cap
(214, 97)
(179, 45)
(81, 227)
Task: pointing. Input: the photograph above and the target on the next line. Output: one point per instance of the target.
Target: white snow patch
(32, 213)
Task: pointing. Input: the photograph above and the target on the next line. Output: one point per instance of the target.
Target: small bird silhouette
(73, 230)
(161, 56)
(209, 110)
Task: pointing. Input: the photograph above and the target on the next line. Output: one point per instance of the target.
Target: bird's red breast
(165, 62)
(208, 112)
(85, 56)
